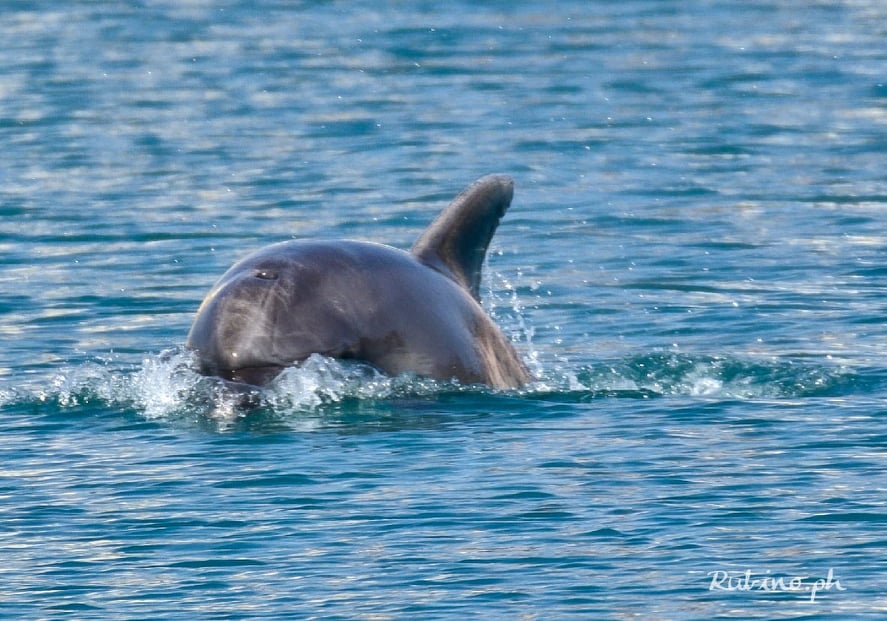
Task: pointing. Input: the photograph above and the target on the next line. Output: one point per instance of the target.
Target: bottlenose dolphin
(414, 312)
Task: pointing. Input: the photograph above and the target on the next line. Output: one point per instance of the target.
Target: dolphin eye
(266, 274)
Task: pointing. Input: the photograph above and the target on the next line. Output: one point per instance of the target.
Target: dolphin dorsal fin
(456, 242)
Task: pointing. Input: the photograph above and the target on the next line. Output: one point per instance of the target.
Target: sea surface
(694, 267)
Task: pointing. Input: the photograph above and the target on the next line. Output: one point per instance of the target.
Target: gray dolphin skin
(414, 312)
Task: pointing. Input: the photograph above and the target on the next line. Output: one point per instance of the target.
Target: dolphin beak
(254, 376)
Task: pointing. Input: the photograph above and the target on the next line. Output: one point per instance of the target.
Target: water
(693, 266)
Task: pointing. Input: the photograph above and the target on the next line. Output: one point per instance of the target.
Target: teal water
(693, 266)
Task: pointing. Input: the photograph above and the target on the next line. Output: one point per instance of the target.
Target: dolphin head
(264, 314)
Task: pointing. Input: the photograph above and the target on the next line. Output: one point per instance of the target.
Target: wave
(669, 374)
(166, 385)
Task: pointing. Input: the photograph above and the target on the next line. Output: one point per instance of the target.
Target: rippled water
(693, 266)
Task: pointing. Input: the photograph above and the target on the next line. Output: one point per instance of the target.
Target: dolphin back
(455, 244)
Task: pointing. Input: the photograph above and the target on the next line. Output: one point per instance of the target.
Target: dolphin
(415, 312)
